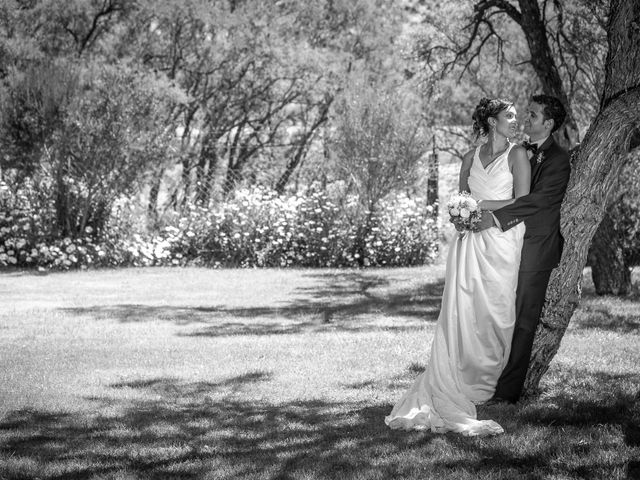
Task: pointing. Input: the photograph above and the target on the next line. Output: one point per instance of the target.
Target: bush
(254, 228)
(92, 133)
(378, 147)
(257, 228)
(27, 237)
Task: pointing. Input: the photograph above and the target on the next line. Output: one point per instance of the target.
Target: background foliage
(122, 123)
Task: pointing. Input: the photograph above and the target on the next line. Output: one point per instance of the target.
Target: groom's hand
(486, 221)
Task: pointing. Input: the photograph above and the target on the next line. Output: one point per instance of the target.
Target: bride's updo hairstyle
(488, 107)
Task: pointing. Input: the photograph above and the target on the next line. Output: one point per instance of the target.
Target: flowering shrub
(254, 228)
(257, 228)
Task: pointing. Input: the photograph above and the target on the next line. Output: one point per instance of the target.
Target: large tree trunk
(597, 165)
(535, 31)
(609, 271)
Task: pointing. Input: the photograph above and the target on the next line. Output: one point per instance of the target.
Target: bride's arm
(521, 170)
(465, 168)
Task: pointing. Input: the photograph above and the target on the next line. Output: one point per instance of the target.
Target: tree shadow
(214, 430)
(605, 401)
(599, 314)
(619, 314)
(339, 303)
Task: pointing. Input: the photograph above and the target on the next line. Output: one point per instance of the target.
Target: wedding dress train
(474, 329)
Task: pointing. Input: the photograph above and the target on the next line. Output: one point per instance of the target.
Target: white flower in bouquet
(465, 209)
(471, 204)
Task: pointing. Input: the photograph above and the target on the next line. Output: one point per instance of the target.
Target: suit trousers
(530, 295)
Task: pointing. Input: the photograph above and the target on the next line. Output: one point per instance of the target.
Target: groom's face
(534, 123)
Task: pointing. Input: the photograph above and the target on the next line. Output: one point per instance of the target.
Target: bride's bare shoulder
(518, 150)
(469, 154)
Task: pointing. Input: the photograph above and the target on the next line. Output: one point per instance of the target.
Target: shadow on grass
(338, 304)
(608, 312)
(613, 314)
(213, 431)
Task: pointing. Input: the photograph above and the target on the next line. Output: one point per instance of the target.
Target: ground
(283, 374)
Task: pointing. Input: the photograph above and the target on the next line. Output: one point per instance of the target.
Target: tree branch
(502, 5)
(108, 7)
(484, 10)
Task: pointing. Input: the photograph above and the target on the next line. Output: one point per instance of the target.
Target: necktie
(532, 147)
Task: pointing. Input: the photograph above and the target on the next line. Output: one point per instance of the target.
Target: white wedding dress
(474, 329)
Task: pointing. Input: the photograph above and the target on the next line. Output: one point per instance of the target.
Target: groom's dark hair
(553, 109)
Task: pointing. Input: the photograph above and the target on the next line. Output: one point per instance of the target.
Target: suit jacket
(540, 209)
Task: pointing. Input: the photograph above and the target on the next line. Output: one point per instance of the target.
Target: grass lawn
(272, 374)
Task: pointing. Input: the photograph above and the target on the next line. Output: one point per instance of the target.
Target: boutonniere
(539, 157)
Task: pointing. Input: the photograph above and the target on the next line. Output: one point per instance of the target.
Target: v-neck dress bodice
(493, 182)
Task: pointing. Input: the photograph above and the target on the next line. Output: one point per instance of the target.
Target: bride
(474, 329)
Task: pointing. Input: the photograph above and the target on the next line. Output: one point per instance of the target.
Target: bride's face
(506, 122)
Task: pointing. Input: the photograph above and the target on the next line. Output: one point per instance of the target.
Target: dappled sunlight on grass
(348, 301)
(292, 385)
(193, 430)
(608, 313)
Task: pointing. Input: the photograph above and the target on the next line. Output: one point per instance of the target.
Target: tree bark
(609, 271)
(597, 166)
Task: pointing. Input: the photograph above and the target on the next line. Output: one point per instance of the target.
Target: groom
(542, 248)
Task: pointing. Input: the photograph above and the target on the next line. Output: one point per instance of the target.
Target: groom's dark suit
(541, 251)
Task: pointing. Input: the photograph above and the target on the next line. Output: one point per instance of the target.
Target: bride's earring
(493, 135)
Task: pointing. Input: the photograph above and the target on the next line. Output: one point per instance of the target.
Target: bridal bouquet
(464, 210)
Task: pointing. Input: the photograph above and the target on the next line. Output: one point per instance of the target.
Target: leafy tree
(93, 134)
(379, 144)
(239, 92)
(56, 29)
(33, 103)
(260, 80)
